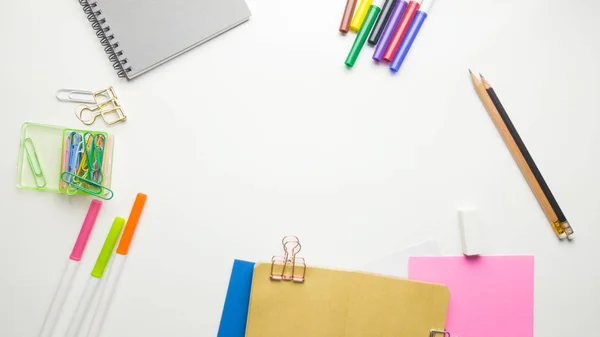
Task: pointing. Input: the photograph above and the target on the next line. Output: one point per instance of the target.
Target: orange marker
(117, 267)
(131, 225)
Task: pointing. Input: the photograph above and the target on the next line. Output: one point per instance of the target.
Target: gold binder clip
(281, 265)
(433, 333)
(103, 109)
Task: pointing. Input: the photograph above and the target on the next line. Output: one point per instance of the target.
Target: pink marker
(72, 265)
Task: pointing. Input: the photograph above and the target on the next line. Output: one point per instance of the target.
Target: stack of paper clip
(65, 160)
(83, 164)
(391, 28)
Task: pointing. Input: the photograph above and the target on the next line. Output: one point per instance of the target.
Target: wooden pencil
(518, 156)
(528, 158)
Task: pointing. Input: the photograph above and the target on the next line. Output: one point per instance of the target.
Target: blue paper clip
(75, 153)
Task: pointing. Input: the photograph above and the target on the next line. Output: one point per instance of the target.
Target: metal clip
(433, 333)
(74, 95)
(34, 163)
(99, 110)
(280, 265)
(104, 103)
(105, 95)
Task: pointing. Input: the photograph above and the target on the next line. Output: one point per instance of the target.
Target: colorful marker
(64, 286)
(411, 35)
(382, 20)
(347, 17)
(96, 277)
(398, 36)
(389, 30)
(362, 35)
(117, 266)
(360, 15)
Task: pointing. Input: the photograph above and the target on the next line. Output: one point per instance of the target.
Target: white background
(263, 132)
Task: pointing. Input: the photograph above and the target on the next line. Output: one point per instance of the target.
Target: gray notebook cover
(146, 33)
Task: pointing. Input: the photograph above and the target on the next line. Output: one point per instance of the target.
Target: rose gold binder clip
(104, 103)
(289, 267)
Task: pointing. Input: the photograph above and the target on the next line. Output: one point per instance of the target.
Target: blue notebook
(235, 309)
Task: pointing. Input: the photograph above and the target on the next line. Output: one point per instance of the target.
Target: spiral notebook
(139, 35)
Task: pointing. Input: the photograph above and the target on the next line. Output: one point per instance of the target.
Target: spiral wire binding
(111, 47)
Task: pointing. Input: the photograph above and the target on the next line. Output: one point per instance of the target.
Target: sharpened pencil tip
(480, 75)
(470, 72)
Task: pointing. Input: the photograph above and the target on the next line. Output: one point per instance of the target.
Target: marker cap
(86, 230)
(132, 221)
(108, 247)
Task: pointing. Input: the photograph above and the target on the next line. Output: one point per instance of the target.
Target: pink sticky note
(490, 296)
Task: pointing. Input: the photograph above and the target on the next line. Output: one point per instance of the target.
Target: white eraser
(470, 231)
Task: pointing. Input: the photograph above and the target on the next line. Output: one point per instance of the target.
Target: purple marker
(389, 30)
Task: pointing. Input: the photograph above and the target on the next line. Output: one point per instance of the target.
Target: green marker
(94, 281)
(363, 34)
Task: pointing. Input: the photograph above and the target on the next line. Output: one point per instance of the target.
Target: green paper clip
(100, 191)
(34, 163)
(97, 175)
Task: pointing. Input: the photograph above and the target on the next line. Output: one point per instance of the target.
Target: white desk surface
(263, 132)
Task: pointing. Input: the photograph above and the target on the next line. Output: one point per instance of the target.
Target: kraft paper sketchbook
(139, 35)
(343, 303)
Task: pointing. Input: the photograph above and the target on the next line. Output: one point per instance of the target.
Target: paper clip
(78, 182)
(34, 163)
(93, 156)
(291, 244)
(433, 333)
(74, 95)
(98, 162)
(65, 159)
(75, 153)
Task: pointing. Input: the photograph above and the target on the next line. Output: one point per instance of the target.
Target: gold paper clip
(433, 333)
(281, 265)
(34, 163)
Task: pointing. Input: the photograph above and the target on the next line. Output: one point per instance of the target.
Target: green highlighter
(363, 34)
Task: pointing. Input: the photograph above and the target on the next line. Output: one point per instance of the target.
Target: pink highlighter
(69, 274)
